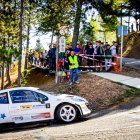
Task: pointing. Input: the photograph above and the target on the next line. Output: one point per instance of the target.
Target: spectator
(105, 46)
(77, 49)
(113, 51)
(95, 48)
(86, 47)
(117, 48)
(90, 53)
(36, 58)
(73, 66)
(108, 58)
(70, 48)
(53, 51)
(41, 59)
(50, 57)
(31, 56)
(66, 64)
(45, 58)
(99, 57)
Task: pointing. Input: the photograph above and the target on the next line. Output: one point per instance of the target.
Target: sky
(44, 39)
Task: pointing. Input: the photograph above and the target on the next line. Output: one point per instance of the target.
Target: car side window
(39, 95)
(22, 96)
(4, 98)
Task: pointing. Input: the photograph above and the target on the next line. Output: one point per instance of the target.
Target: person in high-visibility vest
(73, 66)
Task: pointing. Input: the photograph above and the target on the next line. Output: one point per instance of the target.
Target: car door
(26, 106)
(4, 108)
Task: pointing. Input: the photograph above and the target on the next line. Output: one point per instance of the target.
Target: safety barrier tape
(96, 59)
(95, 66)
(95, 55)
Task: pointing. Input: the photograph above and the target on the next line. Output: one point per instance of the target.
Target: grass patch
(128, 95)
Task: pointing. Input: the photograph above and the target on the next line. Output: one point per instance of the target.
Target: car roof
(19, 88)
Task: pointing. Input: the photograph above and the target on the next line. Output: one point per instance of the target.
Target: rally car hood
(71, 97)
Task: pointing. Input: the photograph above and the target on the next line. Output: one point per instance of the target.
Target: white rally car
(28, 104)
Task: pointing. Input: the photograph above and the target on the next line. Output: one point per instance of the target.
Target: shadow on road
(34, 126)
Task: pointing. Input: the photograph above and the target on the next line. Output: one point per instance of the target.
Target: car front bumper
(84, 110)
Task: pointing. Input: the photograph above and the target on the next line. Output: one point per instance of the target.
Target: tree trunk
(2, 68)
(2, 76)
(52, 37)
(8, 65)
(121, 15)
(27, 48)
(20, 46)
(104, 36)
(77, 23)
(8, 73)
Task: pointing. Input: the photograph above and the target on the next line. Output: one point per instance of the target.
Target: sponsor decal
(18, 118)
(2, 116)
(25, 107)
(13, 111)
(41, 116)
(39, 106)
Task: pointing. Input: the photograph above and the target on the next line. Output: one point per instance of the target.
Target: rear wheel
(66, 113)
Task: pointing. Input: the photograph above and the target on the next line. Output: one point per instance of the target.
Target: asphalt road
(117, 123)
(132, 62)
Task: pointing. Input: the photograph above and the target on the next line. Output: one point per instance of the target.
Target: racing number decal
(48, 105)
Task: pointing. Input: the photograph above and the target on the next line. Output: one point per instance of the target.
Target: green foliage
(133, 92)
(97, 29)
(9, 36)
(6, 54)
(69, 40)
(54, 15)
(39, 46)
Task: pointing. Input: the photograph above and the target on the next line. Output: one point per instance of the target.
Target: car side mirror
(41, 100)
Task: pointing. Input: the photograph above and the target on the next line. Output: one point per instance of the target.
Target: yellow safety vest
(73, 61)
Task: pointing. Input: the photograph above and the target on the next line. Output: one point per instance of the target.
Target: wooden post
(132, 26)
(57, 55)
(139, 24)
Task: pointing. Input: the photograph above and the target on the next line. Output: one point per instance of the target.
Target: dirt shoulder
(100, 93)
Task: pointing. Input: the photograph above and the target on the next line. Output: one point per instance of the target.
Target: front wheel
(66, 113)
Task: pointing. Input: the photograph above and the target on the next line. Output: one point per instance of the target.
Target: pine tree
(38, 46)
(20, 45)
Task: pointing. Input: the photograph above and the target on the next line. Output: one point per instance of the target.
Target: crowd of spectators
(98, 54)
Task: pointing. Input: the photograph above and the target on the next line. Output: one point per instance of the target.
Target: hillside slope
(132, 45)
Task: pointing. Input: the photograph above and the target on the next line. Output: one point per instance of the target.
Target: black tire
(64, 119)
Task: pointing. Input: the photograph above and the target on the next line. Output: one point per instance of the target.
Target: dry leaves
(98, 91)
